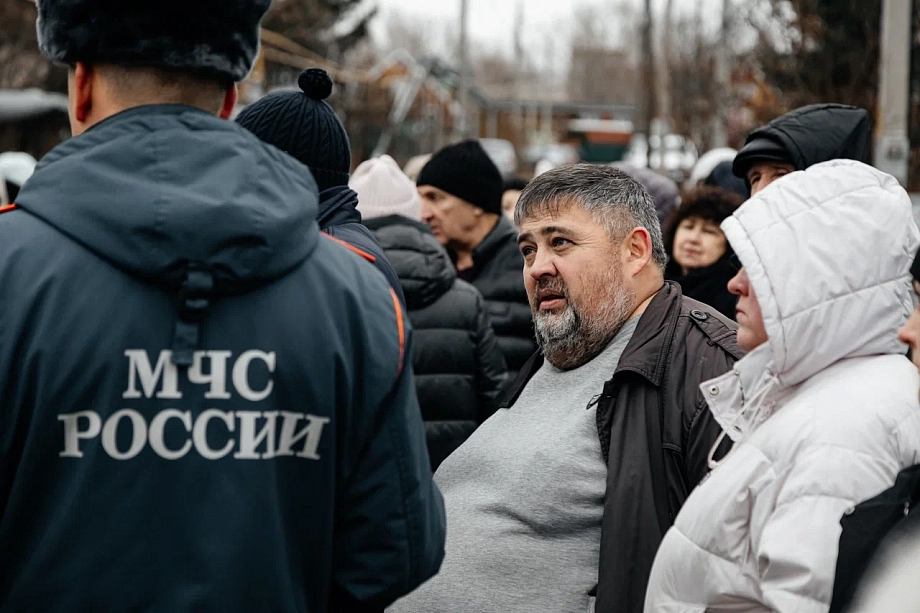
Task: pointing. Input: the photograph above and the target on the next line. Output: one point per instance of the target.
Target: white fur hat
(383, 189)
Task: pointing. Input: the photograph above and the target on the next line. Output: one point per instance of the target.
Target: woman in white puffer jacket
(823, 411)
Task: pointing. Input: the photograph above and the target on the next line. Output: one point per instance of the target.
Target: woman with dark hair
(700, 258)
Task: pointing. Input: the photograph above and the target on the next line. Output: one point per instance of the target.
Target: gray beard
(569, 339)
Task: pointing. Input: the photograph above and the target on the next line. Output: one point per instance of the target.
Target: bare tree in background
(318, 26)
(693, 85)
(811, 51)
(647, 107)
(603, 57)
(665, 62)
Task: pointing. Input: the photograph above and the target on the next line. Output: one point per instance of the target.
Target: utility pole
(464, 129)
(719, 129)
(647, 113)
(892, 146)
(664, 67)
(519, 71)
(550, 91)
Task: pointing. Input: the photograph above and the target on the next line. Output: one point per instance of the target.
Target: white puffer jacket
(824, 415)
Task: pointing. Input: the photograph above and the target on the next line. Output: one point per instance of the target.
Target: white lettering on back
(311, 432)
(139, 368)
(216, 378)
(158, 424)
(241, 375)
(73, 434)
(249, 440)
(138, 434)
(200, 434)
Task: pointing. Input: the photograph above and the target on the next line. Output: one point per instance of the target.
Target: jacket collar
(494, 240)
(647, 351)
(337, 206)
(746, 396)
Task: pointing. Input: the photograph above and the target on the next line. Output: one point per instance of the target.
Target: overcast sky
(491, 22)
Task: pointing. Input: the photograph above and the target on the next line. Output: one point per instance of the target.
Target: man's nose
(427, 214)
(543, 265)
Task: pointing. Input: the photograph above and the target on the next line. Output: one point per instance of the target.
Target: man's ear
(637, 250)
(230, 98)
(80, 85)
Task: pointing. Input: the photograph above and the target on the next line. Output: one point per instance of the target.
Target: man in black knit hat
(302, 124)
(461, 191)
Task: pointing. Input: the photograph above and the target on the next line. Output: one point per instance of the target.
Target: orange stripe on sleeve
(7, 208)
(401, 328)
(352, 248)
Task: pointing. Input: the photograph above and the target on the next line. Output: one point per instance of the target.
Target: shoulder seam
(364, 254)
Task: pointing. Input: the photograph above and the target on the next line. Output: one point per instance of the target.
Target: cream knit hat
(383, 189)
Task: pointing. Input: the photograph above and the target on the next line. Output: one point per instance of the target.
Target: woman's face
(698, 243)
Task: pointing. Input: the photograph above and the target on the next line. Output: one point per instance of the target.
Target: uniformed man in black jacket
(802, 138)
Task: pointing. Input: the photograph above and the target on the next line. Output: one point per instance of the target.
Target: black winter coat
(459, 368)
(655, 432)
(498, 273)
(708, 285)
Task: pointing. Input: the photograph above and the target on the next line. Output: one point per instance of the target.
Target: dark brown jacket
(655, 431)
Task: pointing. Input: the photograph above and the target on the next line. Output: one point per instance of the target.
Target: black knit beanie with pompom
(304, 126)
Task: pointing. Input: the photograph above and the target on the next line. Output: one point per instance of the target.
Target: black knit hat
(304, 126)
(465, 170)
(215, 37)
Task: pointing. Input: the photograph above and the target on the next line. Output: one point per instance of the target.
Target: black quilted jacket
(459, 368)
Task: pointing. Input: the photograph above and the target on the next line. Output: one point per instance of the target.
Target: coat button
(699, 315)
(714, 390)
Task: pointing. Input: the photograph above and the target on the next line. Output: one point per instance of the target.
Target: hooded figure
(823, 413)
(206, 405)
(805, 137)
(663, 190)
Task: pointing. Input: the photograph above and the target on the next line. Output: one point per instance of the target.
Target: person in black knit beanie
(461, 191)
(303, 125)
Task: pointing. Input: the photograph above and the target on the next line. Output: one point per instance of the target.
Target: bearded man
(605, 431)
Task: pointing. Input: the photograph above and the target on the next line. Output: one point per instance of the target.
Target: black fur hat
(215, 37)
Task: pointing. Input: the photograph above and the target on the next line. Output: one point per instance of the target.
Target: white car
(676, 158)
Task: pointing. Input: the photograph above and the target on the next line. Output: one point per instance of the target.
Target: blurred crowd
(238, 375)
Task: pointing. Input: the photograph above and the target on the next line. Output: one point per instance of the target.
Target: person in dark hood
(304, 126)
(699, 257)
(459, 368)
(722, 176)
(206, 404)
(802, 138)
(664, 192)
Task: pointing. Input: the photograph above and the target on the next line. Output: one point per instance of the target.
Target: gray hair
(613, 198)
